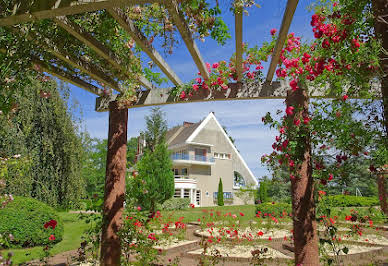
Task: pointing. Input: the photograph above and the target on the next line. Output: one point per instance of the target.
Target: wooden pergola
(58, 11)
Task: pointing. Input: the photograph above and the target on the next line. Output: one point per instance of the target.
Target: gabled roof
(187, 133)
(180, 134)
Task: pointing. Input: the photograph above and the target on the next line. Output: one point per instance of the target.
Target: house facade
(202, 154)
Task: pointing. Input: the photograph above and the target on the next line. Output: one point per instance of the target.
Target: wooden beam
(59, 73)
(24, 11)
(84, 66)
(286, 22)
(238, 18)
(184, 30)
(129, 26)
(236, 91)
(99, 48)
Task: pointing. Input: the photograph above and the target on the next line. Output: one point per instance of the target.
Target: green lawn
(192, 214)
(73, 229)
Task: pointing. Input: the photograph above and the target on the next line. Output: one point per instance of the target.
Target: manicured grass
(192, 214)
(73, 229)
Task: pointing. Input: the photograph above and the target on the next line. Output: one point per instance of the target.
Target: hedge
(24, 218)
(276, 209)
(175, 204)
(349, 201)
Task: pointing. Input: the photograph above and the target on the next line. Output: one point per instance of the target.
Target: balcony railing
(198, 158)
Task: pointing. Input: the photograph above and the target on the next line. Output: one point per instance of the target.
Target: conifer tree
(220, 194)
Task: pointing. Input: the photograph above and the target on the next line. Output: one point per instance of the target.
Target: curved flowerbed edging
(369, 240)
(245, 256)
(264, 237)
(182, 246)
(380, 227)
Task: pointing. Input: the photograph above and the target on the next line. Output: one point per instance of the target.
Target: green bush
(276, 210)
(175, 204)
(24, 218)
(263, 192)
(349, 201)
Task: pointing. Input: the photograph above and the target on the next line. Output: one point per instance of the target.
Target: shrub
(24, 218)
(220, 194)
(263, 192)
(276, 209)
(175, 204)
(349, 201)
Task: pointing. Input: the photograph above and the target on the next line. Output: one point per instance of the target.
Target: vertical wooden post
(114, 185)
(382, 188)
(302, 189)
(380, 12)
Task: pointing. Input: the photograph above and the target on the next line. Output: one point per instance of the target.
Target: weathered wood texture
(302, 188)
(61, 74)
(239, 50)
(114, 195)
(94, 72)
(236, 91)
(129, 26)
(184, 30)
(286, 22)
(99, 48)
(380, 12)
(28, 10)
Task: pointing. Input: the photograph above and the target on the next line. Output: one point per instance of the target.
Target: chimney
(187, 124)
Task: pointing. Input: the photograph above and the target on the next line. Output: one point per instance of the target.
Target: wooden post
(380, 12)
(114, 185)
(302, 189)
(382, 188)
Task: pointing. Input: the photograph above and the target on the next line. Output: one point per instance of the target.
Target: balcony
(185, 183)
(180, 158)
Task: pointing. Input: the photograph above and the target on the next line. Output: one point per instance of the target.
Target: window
(186, 193)
(222, 155)
(238, 180)
(177, 193)
(227, 195)
(184, 171)
(176, 171)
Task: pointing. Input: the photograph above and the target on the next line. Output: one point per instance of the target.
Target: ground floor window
(227, 195)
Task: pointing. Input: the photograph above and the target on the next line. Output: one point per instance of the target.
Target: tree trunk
(381, 176)
(380, 10)
(302, 189)
(114, 185)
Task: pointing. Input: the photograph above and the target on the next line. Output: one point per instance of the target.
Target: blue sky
(241, 118)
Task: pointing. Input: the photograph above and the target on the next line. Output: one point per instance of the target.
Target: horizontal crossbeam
(27, 10)
(236, 91)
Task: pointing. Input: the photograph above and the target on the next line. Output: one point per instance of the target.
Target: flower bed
(241, 251)
(244, 233)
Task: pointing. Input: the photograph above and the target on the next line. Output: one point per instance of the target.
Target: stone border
(185, 246)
